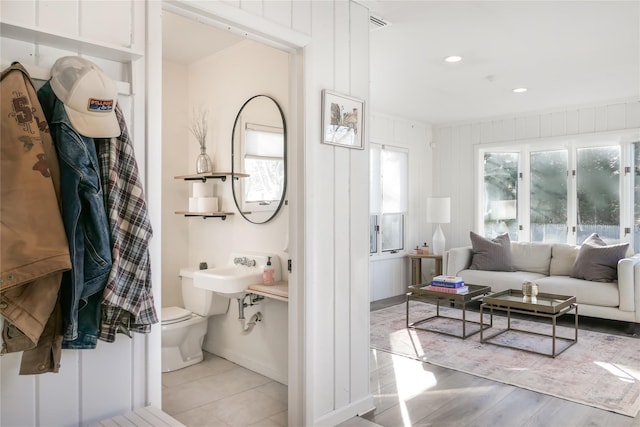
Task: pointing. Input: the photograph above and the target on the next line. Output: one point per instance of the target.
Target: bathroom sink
(230, 281)
(233, 280)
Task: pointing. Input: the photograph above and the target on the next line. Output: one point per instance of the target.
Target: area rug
(600, 370)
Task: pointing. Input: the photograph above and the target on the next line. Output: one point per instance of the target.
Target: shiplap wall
(390, 273)
(336, 222)
(112, 379)
(455, 169)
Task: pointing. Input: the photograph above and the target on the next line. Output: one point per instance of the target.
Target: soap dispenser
(267, 274)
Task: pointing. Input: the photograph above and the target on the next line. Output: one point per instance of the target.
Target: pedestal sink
(232, 280)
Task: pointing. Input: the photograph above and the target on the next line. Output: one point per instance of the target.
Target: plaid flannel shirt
(127, 302)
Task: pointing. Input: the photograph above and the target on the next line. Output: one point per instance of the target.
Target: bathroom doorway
(202, 65)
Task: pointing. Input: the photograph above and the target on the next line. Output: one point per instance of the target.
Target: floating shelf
(68, 42)
(279, 290)
(210, 175)
(222, 215)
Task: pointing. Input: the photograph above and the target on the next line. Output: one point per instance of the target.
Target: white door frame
(222, 15)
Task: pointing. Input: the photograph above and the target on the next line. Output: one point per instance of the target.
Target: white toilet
(183, 329)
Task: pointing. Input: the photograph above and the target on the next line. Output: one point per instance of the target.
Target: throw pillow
(530, 256)
(491, 254)
(597, 261)
(563, 256)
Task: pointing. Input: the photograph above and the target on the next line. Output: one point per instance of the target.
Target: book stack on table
(449, 284)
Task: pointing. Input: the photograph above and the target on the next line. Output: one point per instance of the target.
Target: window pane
(392, 229)
(394, 180)
(500, 194)
(598, 184)
(548, 198)
(375, 186)
(636, 197)
(373, 234)
(265, 181)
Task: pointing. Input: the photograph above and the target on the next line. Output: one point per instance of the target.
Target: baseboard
(340, 415)
(254, 365)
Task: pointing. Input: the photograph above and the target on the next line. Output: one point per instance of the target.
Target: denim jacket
(85, 222)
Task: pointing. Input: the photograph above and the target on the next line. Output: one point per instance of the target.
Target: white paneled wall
(336, 222)
(113, 378)
(390, 274)
(454, 165)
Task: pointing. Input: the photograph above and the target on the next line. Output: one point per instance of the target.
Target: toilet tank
(201, 301)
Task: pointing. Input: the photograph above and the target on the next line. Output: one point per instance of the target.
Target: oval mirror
(259, 159)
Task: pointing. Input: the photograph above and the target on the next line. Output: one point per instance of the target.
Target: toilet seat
(172, 315)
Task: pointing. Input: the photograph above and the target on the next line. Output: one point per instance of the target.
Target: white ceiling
(567, 53)
(185, 41)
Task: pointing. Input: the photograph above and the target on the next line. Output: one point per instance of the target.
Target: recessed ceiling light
(453, 58)
(519, 90)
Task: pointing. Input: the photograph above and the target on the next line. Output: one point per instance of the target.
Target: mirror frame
(233, 167)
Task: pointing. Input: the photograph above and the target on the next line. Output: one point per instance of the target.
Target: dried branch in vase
(200, 125)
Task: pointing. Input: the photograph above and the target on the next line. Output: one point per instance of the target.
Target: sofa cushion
(491, 254)
(499, 280)
(534, 257)
(597, 261)
(586, 292)
(563, 256)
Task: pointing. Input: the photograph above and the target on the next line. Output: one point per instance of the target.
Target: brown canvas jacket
(33, 245)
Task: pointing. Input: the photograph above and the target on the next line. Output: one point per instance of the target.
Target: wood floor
(408, 392)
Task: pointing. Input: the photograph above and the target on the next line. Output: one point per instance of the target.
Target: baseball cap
(89, 96)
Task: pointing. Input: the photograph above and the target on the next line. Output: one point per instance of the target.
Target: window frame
(378, 215)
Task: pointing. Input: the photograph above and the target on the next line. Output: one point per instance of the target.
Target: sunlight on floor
(622, 373)
(411, 377)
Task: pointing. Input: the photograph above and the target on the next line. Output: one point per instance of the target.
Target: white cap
(89, 96)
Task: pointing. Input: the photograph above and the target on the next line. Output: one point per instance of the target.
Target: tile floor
(219, 393)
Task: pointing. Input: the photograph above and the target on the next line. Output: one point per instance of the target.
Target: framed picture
(342, 120)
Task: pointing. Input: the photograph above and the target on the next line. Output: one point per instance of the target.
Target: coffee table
(549, 306)
(421, 293)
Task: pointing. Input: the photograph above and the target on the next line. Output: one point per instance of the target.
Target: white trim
(221, 15)
(153, 186)
(359, 407)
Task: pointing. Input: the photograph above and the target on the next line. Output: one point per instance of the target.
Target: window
(388, 198)
(636, 197)
(548, 196)
(562, 195)
(598, 193)
(264, 162)
(500, 194)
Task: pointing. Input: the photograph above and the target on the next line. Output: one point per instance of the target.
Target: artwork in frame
(342, 120)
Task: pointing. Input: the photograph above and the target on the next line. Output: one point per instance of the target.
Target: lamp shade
(439, 210)
(503, 209)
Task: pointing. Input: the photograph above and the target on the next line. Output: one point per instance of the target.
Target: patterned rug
(600, 370)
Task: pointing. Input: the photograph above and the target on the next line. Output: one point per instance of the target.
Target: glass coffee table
(549, 306)
(421, 293)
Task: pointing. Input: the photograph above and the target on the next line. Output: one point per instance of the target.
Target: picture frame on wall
(342, 120)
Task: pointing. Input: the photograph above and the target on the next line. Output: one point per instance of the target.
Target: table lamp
(502, 210)
(438, 212)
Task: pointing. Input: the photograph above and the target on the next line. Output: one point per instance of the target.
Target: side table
(416, 266)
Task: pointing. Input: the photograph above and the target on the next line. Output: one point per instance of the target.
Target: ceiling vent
(375, 22)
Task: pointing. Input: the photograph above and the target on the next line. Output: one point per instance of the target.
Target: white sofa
(550, 266)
